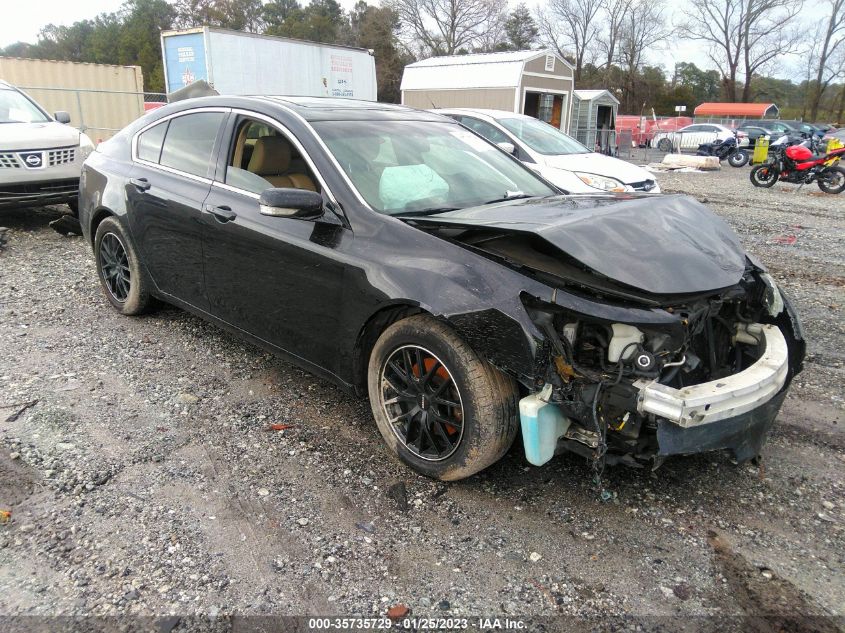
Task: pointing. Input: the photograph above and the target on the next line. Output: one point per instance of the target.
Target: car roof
(309, 108)
(335, 109)
(493, 114)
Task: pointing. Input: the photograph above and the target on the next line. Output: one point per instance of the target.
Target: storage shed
(537, 83)
(594, 119)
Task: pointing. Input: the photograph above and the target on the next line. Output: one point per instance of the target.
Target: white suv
(40, 157)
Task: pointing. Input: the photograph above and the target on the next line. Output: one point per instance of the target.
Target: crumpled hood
(658, 244)
(21, 136)
(601, 165)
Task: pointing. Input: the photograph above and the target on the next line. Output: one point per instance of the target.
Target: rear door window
(189, 143)
(149, 143)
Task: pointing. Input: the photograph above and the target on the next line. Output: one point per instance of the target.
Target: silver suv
(40, 157)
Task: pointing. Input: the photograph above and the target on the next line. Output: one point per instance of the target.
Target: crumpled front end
(694, 374)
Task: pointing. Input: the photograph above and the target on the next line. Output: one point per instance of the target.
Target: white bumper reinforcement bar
(726, 397)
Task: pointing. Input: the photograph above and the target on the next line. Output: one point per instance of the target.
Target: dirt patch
(772, 604)
(18, 482)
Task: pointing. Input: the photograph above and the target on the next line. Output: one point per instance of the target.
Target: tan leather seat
(271, 160)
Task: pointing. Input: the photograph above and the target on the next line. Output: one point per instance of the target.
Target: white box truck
(239, 63)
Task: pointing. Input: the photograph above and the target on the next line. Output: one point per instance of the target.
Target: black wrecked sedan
(407, 259)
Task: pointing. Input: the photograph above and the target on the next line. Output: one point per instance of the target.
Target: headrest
(270, 156)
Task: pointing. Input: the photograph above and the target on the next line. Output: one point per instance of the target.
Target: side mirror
(61, 116)
(507, 147)
(291, 203)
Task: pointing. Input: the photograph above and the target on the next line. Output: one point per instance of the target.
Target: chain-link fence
(98, 113)
(627, 144)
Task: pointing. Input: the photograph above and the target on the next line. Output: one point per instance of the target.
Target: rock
(367, 527)
(14, 455)
(397, 611)
(444, 605)
(828, 505)
(399, 494)
(263, 492)
(187, 398)
(767, 573)
(303, 521)
(704, 163)
(667, 592)
(534, 557)
(27, 527)
(682, 591)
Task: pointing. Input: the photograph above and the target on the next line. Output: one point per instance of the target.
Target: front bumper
(735, 412)
(727, 397)
(39, 193)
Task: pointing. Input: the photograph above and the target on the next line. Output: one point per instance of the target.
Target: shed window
(544, 112)
(550, 63)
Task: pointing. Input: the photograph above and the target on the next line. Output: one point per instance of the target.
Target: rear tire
(738, 158)
(122, 277)
(763, 176)
(439, 441)
(835, 182)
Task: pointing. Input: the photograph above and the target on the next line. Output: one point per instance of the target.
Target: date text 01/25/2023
(415, 624)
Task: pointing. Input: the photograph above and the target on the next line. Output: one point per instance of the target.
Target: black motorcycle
(727, 149)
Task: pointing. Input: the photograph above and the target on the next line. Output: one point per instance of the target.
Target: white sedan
(691, 136)
(557, 157)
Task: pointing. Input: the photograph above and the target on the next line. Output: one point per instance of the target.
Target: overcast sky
(29, 16)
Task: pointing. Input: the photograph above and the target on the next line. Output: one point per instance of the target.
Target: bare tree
(443, 27)
(570, 27)
(719, 24)
(614, 13)
(747, 34)
(642, 28)
(828, 54)
(767, 35)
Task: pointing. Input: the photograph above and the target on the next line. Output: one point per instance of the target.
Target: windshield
(542, 137)
(402, 167)
(16, 108)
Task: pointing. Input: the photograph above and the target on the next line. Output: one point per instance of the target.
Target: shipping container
(101, 98)
(240, 63)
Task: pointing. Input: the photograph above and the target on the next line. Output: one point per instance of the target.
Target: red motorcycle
(797, 164)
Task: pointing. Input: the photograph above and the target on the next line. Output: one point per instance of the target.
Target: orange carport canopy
(760, 110)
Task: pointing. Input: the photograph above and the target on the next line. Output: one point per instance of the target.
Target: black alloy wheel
(422, 403)
(114, 264)
(123, 278)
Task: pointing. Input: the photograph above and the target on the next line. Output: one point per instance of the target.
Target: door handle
(142, 184)
(222, 214)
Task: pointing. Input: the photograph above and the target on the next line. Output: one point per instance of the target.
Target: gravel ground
(142, 479)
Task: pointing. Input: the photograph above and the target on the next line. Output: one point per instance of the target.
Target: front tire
(738, 158)
(441, 409)
(124, 282)
(764, 175)
(834, 181)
